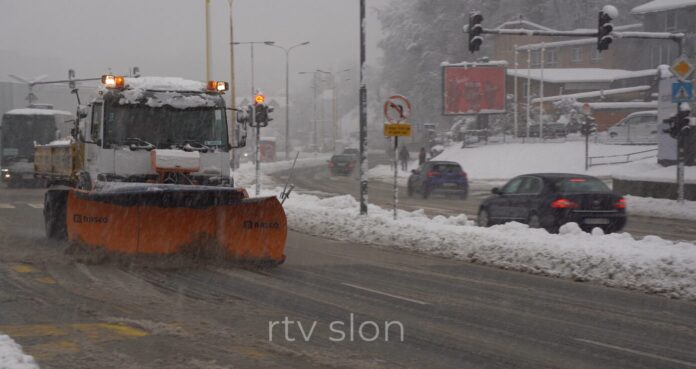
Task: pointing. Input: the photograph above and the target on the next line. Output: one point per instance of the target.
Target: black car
(342, 164)
(553, 199)
(445, 177)
(352, 151)
(551, 130)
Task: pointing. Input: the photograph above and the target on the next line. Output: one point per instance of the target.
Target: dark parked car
(445, 177)
(551, 130)
(342, 164)
(352, 151)
(553, 199)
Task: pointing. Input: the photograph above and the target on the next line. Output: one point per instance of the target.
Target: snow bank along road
(455, 314)
(318, 181)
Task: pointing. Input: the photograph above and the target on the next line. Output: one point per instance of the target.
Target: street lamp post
(314, 114)
(287, 93)
(334, 106)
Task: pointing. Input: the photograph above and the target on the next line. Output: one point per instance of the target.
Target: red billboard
(473, 89)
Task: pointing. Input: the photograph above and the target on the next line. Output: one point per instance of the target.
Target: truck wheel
(55, 213)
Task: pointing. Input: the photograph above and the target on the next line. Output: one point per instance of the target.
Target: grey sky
(166, 37)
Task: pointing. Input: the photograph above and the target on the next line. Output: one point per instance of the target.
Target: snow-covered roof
(662, 5)
(568, 75)
(499, 63)
(521, 22)
(584, 95)
(620, 105)
(30, 111)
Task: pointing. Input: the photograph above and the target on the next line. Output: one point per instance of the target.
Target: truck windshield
(19, 132)
(165, 127)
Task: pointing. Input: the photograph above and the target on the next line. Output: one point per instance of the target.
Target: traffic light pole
(680, 168)
(256, 154)
(676, 37)
(587, 145)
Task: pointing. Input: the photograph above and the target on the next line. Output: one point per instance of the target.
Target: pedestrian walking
(421, 156)
(404, 157)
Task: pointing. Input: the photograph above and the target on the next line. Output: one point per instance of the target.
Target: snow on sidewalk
(660, 208)
(650, 265)
(245, 175)
(12, 356)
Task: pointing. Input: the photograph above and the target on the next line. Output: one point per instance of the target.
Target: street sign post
(397, 109)
(682, 92)
(397, 130)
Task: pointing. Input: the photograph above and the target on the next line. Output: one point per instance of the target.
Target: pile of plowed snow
(650, 264)
(12, 357)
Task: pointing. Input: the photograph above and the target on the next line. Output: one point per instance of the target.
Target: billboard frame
(470, 65)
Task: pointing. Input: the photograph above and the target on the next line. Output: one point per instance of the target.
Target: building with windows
(667, 16)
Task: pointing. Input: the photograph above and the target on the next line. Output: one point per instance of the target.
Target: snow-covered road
(650, 264)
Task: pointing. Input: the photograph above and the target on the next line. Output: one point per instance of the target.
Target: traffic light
(605, 28)
(589, 127)
(475, 30)
(269, 110)
(678, 122)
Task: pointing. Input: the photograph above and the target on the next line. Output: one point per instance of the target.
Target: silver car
(636, 128)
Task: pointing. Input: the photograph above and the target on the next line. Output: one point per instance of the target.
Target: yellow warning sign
(682, 68)
(397, 130)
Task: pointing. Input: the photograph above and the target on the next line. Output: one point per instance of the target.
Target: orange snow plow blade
(171, 219)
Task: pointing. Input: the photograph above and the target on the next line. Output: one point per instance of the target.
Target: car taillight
(564, 204)
(621, 204)
(430, 173)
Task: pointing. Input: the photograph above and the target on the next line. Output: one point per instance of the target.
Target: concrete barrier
(659, 190)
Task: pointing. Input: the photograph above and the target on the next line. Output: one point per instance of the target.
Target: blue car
(445, 177)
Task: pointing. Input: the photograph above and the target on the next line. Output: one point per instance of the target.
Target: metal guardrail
(630, 157)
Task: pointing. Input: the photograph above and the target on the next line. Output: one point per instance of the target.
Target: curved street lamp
(287, 91)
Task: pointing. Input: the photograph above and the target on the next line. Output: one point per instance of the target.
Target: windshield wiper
(139, 144)
(193, 145)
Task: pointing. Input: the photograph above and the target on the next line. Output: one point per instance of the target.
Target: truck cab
(152, 130)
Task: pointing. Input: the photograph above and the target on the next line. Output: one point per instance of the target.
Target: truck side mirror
(82, 111)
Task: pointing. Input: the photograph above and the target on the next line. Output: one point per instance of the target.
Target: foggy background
(167, 38)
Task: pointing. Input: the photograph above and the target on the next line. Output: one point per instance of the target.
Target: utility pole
(233, 90)
(529, 90)
(515, 118)
(363, 115)
(315, 133)
(208, 48)
(541, 93)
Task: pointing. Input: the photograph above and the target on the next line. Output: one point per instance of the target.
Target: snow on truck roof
(662, 5)
(31, 111)
(164, 84)
(175, 92)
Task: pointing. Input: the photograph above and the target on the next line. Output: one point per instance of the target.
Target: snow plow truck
(146, 172)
